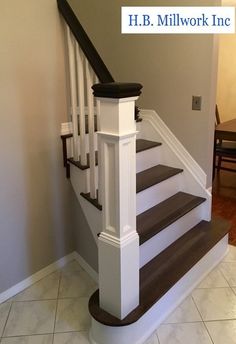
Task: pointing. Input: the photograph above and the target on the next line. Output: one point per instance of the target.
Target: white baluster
(80, 80)
(98, 113)
(73, 97)
(90, 103)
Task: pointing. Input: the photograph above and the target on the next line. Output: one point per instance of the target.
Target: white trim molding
(26, 283)
(29, 281)
(176, 146)
(92, 273)
(66, 128)
(173, 153)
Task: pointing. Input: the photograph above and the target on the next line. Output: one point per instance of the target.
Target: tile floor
(54, 310)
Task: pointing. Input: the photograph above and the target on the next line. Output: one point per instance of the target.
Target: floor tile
(222, 332)
(228, 269)
(72, 315)
(76, 284)
(152, 340)
(4, 311)
(231, 255)
(214, 279)
(46, 288)
(194, 333)
(31, 317)
(186, 312)
(39, 339)
(71, 338)
(215, 304)
(71, 266)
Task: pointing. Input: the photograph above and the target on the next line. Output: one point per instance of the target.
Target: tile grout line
(202, 319)
(58, 291)
(6, 321)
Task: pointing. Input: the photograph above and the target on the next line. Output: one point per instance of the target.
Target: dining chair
(225, 151)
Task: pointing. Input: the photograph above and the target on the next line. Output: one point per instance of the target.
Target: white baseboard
(92, 273)
(29, 281)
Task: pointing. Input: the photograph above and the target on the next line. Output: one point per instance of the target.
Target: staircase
(150, 214)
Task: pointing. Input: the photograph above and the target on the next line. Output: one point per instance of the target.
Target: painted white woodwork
(174, 154)
(157, 193)
(171, 233)
(90, 102)
(37, 276)
(148, 158)
(118, 244)
(80, 182)
(66, 128)
(73, 90)
(81, 101)
(140, 331)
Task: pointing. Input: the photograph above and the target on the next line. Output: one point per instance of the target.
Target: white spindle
(90, 102)
(73, 97)
(80, 80)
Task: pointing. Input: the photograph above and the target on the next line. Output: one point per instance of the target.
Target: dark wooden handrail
(86, 45)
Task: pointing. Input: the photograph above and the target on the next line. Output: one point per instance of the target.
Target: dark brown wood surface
(165, 213)
(165, 270)
(226, 130)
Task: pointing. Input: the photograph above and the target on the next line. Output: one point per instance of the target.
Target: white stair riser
(148, 198)
(148, 158)
(167, 236)
(140, 331)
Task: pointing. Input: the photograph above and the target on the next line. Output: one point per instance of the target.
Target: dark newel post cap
(117, 90)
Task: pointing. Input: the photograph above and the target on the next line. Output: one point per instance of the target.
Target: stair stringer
(173, 153)
(79, 181)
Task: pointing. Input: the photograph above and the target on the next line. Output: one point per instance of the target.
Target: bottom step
(165, 270)
(176, 273)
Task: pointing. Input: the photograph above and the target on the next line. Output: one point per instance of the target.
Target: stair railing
(118, 242)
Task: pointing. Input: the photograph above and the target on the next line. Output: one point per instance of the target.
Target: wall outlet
(197, 103)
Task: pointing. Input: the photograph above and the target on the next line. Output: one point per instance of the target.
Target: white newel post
(118, 243)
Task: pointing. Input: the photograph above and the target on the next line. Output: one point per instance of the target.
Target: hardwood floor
(224, 199)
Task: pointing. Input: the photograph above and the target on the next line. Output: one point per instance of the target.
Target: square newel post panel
(118, 243)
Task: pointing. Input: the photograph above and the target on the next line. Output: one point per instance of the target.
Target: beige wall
(171, 68)
(226, 91)
(38, 209)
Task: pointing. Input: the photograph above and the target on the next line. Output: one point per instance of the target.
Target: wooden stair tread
(154, 175)
(142, 145)
(165, 213)
(165, 270)
(92, 200)
(83, 167)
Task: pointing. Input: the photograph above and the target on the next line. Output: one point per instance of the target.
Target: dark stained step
(83, 167)
(166, 269)
(154, 175)
(165, 213)
(142, 145)
(92, 200)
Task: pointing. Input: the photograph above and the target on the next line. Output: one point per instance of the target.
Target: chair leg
(219, 163)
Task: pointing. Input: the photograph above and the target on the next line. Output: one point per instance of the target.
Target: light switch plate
(197, 103)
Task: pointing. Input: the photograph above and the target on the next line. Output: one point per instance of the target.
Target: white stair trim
(174, 154)
(140, 331)
(29, 281)
(175, 145)
(92, 273)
